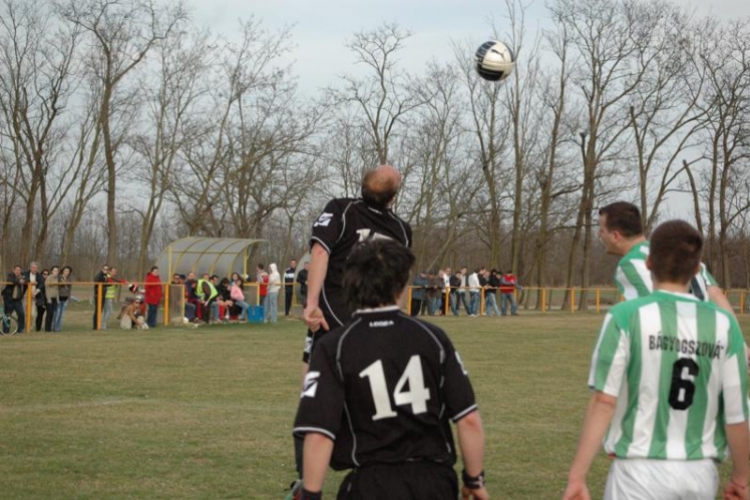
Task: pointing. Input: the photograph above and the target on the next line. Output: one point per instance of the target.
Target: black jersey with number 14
(384, 387)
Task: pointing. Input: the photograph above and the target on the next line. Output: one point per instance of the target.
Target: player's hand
(314, 318)
(735, 491)
(477, 494)
(576, 490)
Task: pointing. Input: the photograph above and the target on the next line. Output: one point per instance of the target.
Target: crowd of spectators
(210, 299)
(430, 290)
(50, 292)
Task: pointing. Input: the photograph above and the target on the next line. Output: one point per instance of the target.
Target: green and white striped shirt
(677, 368)
(633, 278)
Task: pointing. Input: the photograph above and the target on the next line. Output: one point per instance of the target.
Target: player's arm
(316, 457)
(599, 414)
(471, 441)
(734, 381)
(316, 276)
(717, 297)
(738, 437)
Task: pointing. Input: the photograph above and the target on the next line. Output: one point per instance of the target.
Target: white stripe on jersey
(617, 376)
(595, 357)
(648, 389)
(614, 433)
(734, 398)
(687, 329)
(629, 290)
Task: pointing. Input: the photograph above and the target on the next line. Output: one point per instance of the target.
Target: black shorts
(404, 481)
(335, 313)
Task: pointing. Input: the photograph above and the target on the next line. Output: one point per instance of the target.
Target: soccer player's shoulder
(330, 340)
(423, 326)
(627, 308)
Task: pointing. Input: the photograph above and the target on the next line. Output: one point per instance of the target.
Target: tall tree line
(125, 124)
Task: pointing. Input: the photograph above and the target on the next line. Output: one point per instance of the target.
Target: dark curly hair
(376, 273)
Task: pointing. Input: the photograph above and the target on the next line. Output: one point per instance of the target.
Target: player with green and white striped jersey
(670, 384)
(684, 355)
(621, 232)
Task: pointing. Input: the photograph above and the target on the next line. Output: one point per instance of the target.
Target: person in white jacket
(474, 291)
(272, 299)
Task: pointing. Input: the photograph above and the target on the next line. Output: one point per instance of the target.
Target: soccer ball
(495, 60)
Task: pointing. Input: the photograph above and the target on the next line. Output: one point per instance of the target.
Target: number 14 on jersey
(417, 395)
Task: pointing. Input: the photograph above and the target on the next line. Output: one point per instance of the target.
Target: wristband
(473, 483)
(309, 495)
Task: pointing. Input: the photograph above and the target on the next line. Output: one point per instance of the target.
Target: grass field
(207, 412)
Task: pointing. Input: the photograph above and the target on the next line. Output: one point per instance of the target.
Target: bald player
(343, 223)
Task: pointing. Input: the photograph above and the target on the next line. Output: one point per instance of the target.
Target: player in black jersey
(344, 223)
(381, 391)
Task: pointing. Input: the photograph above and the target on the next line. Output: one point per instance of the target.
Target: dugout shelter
(220, 256)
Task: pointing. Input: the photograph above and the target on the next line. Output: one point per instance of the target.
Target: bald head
(380, 186)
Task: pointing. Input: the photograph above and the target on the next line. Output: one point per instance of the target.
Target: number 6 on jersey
(417, 395)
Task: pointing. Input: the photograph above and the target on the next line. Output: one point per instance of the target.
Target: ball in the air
(495, 60)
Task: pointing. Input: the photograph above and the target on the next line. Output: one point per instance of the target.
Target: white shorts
(644, 479)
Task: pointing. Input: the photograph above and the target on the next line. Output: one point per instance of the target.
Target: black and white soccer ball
(495, 60)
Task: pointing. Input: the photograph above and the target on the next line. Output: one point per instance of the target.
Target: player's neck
(672, 287)
(627, 245)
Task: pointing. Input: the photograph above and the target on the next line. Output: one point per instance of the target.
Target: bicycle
(8, 324)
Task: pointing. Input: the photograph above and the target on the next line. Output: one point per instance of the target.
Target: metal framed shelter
(220, 256)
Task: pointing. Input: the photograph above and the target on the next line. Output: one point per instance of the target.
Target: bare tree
(493, 143)
(382, 96)
(726, 54)
(610, 37)
(35, 85)
(432, 196)
(121, 33)
(664, 111)
(173, 107)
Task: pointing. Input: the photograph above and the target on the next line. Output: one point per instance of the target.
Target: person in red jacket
(153, 295)
(508, 286)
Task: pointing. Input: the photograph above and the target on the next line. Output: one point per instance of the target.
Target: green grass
(207, 412)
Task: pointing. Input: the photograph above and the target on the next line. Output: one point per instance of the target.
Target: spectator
(433, 293)
(289, 286)
(153, 295)
(490, 293)
(33, 279)
(63, 296)
(216, 306)
(446, 295)
(418, 292)
(455, 283)
(110, 294)
(99, 291)
(272, 299)
(13, 293)
(52, 293)
(508, 286)
(302, 280)
(40, 298)
(207, 294)
(238, 297)
(262, 277)
(224, 301)
(475, 289)
(132, 316)
(191, 299)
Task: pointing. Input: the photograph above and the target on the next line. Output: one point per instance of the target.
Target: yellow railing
(737, 297)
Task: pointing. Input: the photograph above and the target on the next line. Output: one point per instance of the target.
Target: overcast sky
(321, 27)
